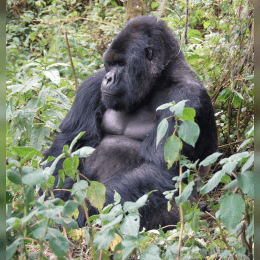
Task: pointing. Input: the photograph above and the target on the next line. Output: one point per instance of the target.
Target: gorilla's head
(135, 60)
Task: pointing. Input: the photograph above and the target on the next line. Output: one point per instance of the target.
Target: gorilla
(116, 107)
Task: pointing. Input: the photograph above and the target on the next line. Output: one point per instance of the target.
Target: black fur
(144, 69)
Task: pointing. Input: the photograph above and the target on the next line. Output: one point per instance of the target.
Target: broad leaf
(246, 182)
(210, 159)
(96, 194)
(178, 108)
(231, 209)
(189, 132)
(58, 243)
(172, 150)
(74, 141)
(14, 175)
(188, 114)
(69, 207)
(213, 182)
(34, 177)
(25, 151)
(152, 253)
(185, 194)
(248, 164)
(161, 130)
(12, 248)
(68, 167)
(164, 106)
(84, 151)
(80, 185)
(133, 206)
(130, 225)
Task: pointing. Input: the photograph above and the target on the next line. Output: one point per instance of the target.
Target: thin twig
(68, 46)
(186, 23)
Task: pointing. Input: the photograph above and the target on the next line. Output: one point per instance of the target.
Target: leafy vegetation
(40, 91)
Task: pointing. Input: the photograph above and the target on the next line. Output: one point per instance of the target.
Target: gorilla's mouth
(106, 94)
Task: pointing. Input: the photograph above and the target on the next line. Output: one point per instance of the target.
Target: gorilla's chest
(137, 125)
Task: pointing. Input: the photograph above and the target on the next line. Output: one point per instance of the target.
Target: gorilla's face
(132, 65)
(128, 78)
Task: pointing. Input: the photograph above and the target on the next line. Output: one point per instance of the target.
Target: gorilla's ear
(149, 53)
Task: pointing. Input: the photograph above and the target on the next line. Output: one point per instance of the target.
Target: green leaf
(231, 209)
(161, 130)
(189, 132)
(152, 253)
(250, 229)
(58, 243)
(80, 185)
(235, 157)
(53, 75)
(69, 207)
(164, 106)
(14, 175)
(25, 151)
(248, 164)
(210, 159)
(114, 3)
(154, 5)
(103, 239)
(247, 141)
(206, 24)
(133, 206)
(178, 108)
(229, 167)
(129, 246)
(34, 177)
(188, 114)
(84, 151)
(74, 141)
(185, 194)
(96, 194)
(246, 183)
(50, 213)
(172, 150)
(196, 221)
(66, 222)
(30, 194)
(38, 135)
(231, 185)
(130, 225)
(68, 167)
(48, 171)
(12, 248)
(112, 223)
(213, 182)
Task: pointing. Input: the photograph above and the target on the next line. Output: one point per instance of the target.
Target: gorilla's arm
(85, 115)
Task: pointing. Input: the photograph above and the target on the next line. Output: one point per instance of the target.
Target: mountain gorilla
(116, 106)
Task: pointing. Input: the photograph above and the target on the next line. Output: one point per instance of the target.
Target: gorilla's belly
(114, 155)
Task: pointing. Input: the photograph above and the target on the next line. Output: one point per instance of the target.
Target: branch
(68, 46)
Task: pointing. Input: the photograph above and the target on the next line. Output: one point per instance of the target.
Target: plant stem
(181, 215)
(90, 231)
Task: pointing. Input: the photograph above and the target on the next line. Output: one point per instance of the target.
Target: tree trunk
(134, 8)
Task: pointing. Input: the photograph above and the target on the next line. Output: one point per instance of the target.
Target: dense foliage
(40, 91)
